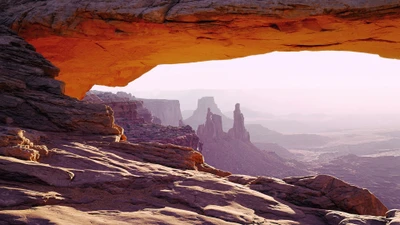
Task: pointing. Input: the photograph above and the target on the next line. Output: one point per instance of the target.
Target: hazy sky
(298, 82)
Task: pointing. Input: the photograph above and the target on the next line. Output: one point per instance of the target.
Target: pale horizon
(328, 82)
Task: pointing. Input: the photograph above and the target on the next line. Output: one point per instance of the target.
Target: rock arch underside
(66, 161)
(114, 42)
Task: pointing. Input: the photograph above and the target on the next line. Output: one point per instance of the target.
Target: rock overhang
(114, 42)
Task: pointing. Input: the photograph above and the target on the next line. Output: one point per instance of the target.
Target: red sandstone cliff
(138, 122)
(70, 168)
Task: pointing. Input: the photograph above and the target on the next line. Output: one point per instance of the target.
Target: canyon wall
(71, 168)
(31, 97)
(168, 111)
(138, 122)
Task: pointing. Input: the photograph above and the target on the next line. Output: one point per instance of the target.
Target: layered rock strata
(138, 122)
(86, 177)
(131, 38)
(31, 97)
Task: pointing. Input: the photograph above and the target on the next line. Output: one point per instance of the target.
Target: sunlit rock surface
(320, 191)
(380, 175)
(31, 97)
(84, 175)
(80, 177)
(114, 42)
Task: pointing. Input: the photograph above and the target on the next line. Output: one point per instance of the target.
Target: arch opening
(329, 112)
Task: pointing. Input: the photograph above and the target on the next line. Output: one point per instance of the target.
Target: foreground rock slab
(88, 179)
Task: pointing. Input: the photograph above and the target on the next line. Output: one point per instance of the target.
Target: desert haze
(298, 137)
(342, 122)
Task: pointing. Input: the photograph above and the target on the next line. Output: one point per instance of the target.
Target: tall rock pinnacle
(238, 131)
(212, 128)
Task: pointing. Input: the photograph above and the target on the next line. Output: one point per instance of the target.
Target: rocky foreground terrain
(89, 180)
(379, 174)
(64, 161)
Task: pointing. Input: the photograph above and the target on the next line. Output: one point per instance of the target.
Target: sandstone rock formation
(147, 184)
(235, 153)
(149, 33)
(378, 174)
(13, 143)
(238, 131)
(139, 124)
(88, 177)
(320, 191)
(168, 111)
(201, 112)
(211, 130)
(150, 132)
(30, 97)
(126, 108)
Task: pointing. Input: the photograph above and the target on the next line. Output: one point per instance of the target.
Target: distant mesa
(168, 111)
(138, 122)
(203, 104)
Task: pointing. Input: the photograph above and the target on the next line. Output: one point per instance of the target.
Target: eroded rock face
(238, 131)
(139, 124)
(378, 174)
(31, 97)
(151, 183)
(149, 33)
(13, 143)
(127, 109)
(201, 112)
(235, 153)
(89, 178)
(168, 111)
(211, 130)
(320, 191)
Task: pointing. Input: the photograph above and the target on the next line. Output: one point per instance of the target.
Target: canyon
(139, 124)
(59, 173)
(67, 161)
(234, 152)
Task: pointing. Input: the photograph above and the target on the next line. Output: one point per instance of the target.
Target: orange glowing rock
(92, 44)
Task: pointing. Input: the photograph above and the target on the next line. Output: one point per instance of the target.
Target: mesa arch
(113, 43)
